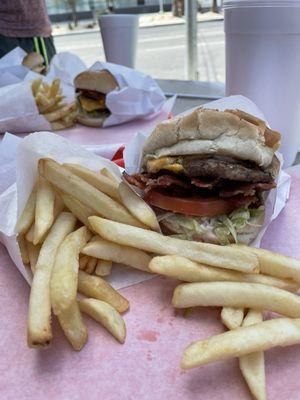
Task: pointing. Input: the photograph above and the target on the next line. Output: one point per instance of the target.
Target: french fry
(91, 265)
(83, 260)
(71, 184)
(106, 315)
(55, 88)
(59, 125)
(242, 341)
(30, 234)
(103, 268)
(80, 210)
(35, 85)
(231, 317)
(72, 324)
(44, 209)
(153, 242)
(238, 295)
(33, 254)
(188, 271)
(98, 181)
(106, 172)
(275, 264)
(27, 217)
(39, 332)
(109, 251)
(60, 113)
(63, 283)
(94, 286)
(137, 206)
(23, 249)
(252, 365)
(59, 205)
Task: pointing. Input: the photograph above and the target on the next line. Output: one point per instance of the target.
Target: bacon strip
(226, 188)
(246, 189)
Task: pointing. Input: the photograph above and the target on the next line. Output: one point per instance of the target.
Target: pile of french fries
(49, 101)
(78, 222)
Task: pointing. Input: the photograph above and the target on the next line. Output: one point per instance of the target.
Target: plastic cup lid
(120, 20)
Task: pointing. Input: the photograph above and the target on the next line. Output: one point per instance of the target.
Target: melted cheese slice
(89, 104)
(168, 163)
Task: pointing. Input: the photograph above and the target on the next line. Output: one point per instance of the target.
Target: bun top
(231, 133)
(101, 81)
(33, 60)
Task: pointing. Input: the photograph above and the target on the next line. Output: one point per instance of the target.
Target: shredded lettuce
(225, 228)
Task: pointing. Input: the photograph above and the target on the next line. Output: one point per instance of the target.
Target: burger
(35, 62)
(91, 89)
(207, 175)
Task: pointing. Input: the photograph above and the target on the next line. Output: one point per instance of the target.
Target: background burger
(35, 62)
(207, 175)
(91, 88)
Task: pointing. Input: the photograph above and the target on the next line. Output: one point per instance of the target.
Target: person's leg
(28, 44)
(8, 43)
(46, 48)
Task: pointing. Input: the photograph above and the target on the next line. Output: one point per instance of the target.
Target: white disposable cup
(263, 63)
(119, 35)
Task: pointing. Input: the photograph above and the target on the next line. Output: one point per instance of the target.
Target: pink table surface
(147, 365)
(115, 134)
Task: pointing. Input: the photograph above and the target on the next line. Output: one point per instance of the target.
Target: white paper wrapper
(138, 95)
(65, 66)
(277, 197)
(21, 164)
(18, 111)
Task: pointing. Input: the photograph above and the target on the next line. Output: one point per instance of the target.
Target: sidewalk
(146, 21)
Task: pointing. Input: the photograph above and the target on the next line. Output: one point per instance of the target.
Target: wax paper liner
(277, 197)
(24, 169)
(18, 111)
(138, 95)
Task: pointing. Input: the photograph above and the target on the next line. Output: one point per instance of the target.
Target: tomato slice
(196, 205)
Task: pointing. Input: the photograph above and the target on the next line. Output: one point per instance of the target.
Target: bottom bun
(91, 121)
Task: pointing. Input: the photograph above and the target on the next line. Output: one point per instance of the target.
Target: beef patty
(228, 168)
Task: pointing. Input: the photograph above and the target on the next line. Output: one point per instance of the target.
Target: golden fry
(63, 284)
(39, 332)
(97, 288)
(153, 242)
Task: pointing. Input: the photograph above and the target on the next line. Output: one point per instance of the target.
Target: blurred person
(25, 23)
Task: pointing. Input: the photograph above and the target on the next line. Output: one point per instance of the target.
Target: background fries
(49, 102)
(237, 294)
(106, 315)
(153, 242)
(39, 316)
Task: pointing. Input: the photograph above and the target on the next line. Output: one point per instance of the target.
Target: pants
(39, 45)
